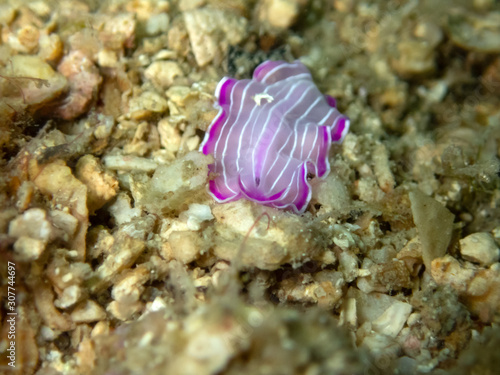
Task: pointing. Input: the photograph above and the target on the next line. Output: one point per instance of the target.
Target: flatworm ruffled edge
(298, 206)
(261, 199)
(326, 153)
(331, 101)
(218, 196)
(222, 92)
(262, 69)
(340, 129)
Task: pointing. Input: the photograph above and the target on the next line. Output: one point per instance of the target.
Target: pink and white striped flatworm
(272, 133)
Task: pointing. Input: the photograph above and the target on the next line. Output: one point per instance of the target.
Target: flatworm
(272, 133)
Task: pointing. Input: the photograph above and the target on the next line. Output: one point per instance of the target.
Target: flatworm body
(270, 134)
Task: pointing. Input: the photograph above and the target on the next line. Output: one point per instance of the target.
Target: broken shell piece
(118, 31)
(348, 314)
(44, 302)
(385, 314)
(479, 288)
(106, 58)
(101, 185)
(25, 40)
(130, 287)
(129, 163)
(280, 14)
(196, 214)
(483, 297)
(180, 94)
(69, 297)
(299, 289)
(348, 265)
(212, 31)
(434, 224)
(475, 32)
(84, 80)
(264, 246)
(447, 270)
(170, 137)
(32, 223)
(383, 348)
(185, 246)
(157, 23)
(325, 289)
(64, 273)
(122, 211)
(382, 168)
(177, 184)
(88, 312)
(64, 224)
(124, 311)
(28, 249)
(393, 319)
(44, 85)
(411, 255)
(50, 47)
(344, 237)
(333, 286)
(123, 254)
(56, 181)
(163, 73)
(147, 103)
(333, 195)
(479, 248)
(25, 195)
(127, 293)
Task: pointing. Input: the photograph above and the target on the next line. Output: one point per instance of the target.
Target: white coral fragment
(196, 214)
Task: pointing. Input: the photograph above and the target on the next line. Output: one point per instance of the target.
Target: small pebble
(163, 73)
(157, 24)
(480, 248)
